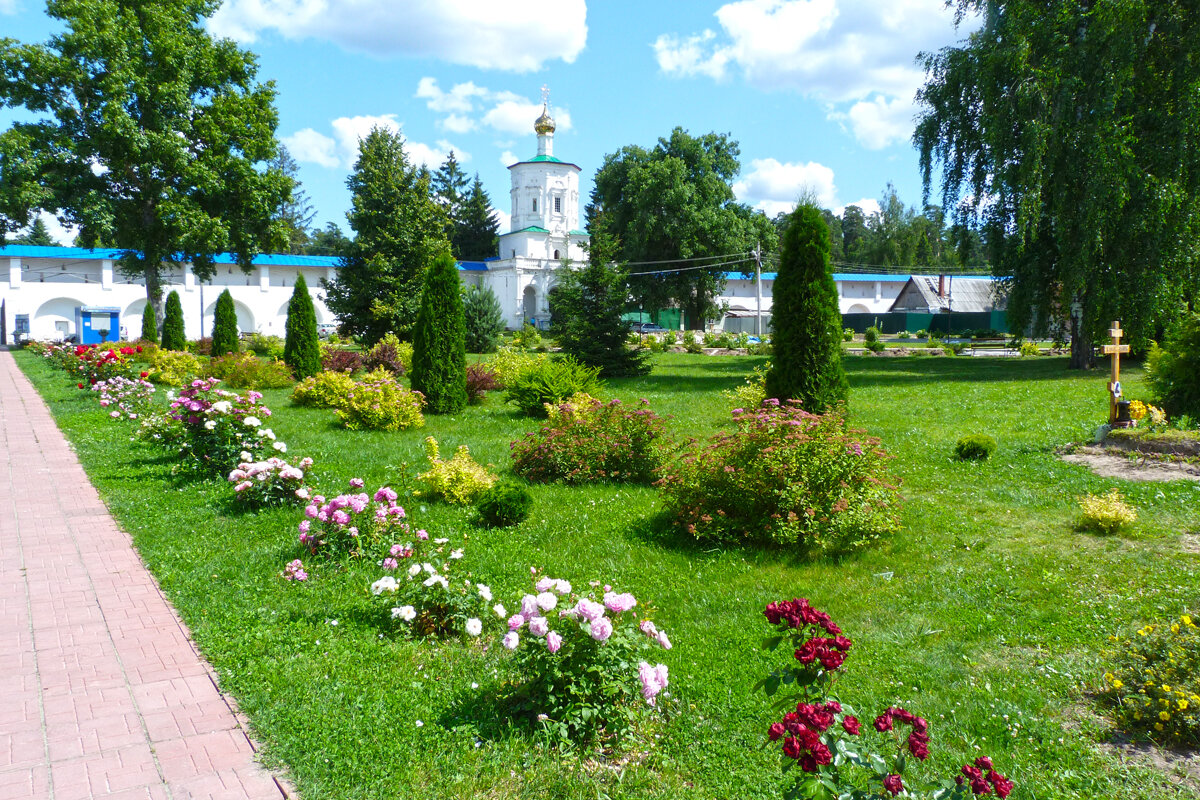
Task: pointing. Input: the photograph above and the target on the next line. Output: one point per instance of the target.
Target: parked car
(326, 329)
(646, 327)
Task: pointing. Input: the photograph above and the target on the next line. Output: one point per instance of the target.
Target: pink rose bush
(125, 398)
(823, 737)
(353, 523)
(575, 653)
(221, 429)
(273, 482)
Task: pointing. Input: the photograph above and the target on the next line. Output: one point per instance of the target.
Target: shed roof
(961, 294)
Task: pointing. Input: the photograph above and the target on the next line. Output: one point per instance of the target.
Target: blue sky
(819, 93)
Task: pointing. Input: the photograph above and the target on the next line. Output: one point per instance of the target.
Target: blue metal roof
(112, 254)
(748, 276)
(472, 266)
(855, 276)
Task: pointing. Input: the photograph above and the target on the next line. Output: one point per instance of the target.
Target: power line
(690, 269)
(685, 260)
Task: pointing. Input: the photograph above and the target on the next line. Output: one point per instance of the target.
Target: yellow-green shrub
(509, 362)
(750, 395)
(459, 480)
(379, 402)
(247, 371)
(1154, 683)
(1107, 512)
(174, 367)
(323, 390)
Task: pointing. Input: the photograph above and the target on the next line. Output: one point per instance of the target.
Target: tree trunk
(154, 291)
(1082, 355)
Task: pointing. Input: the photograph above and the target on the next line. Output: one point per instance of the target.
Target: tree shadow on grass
(491, 712)
(866, 372)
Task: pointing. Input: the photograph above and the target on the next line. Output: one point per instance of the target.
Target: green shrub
(1173, 370)
(750, 395)
(336, 359)
(509, 362)
(302, 348)
(690, 343)
(439, 351)
(1106, 513)
(174, 367)
(975, 447)
(921, 334)
(225, 326)
(247, 371)
(848, 334)
(872, 335)
(876, 346)
(784, 476)
(379, 402)
(484, 319)
(505, 504)
(528, 338)
(201, 346)
(1030, 349)
(323, 390)
(1154, 683)
(550, 382)
(391, 354)
(458, 480)
(593, 442)
(172, 330)
(149, 325)
(263, 345)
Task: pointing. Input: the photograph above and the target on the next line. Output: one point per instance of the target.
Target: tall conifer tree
(172, 332)
(439, 352)
(301, 348)
(225, 326)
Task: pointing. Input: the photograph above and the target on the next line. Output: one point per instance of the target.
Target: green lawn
(987, 613)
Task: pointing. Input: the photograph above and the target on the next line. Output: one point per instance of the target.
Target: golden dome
(544, 123)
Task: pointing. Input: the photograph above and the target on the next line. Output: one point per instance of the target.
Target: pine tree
(448, 185)
(301, 348)
(38, 235)
(398, 229)
(476, 234)
(806, 321)
(484, 319)
(149, 325)
(297, 213)
(172, 331)
(225, 326)
(439, 354)
(588, 306)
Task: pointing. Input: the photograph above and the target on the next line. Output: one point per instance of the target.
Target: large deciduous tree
(398, 231)
(675, 201)
(148, 134)
(1072, 129)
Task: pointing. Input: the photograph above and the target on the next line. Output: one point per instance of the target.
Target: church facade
(545, 233)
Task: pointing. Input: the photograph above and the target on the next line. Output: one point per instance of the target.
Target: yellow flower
(1158, 726)
(1165, 716)
(1108, 676)
(1175, 627)
(1117, 684)
(1166, 688)
(1188, 621)
(1183, 704)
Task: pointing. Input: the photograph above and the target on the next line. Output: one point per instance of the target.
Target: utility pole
(758, 331)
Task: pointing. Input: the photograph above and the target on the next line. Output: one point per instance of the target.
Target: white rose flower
(500, 611)
(222, 406)
(485, 592)
(432, 579)
(208, 426)
(406, 613)
(280, 446)
(252, 422)
(246, 455)
(456, 554)
(414, 570)
(474, 627)
(385, 584)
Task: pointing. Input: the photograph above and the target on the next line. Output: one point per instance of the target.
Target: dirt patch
(1112, 465)
(1181, 767)
(1190, 543)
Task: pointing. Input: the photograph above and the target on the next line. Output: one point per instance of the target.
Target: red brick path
(101, 692)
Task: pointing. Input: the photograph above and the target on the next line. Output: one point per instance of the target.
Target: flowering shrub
(784, 476)
(161, 430)
(459, 481)
(1154, 685)
(246, 371)
(352, 522)
(481, 379)
(221, 428)
(273, 482)
(390, 354)
(124, 397)
(427, 597)
(379, 402)
(335, 359)
(89, 364)
(174, 367)
(1107, 513)
(824, 738)
(323, 390)
(593, 442)
(577, 665)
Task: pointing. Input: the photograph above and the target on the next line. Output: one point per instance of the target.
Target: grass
(987, 613)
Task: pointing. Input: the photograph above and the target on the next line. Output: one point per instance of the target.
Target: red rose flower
(791, 748)
(145, 374)
(893, 784)
(883, 722)
(1002, 784)
(80, 385)
(776, 731)
(983, 762)
(851, 724)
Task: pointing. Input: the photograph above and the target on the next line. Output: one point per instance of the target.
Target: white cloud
(868, 205)
(505, 220)
(774, 186)
(508, 158)
(502, 111)
(309, 145)
(8, 6)
(341, 150)
(848, 54)
(516, 36)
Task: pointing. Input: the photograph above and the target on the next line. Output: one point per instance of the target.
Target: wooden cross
(1115, 349)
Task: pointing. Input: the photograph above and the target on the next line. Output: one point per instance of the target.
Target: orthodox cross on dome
(545, 95)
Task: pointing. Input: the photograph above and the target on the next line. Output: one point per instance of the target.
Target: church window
(535, 205)
(557, 207)
(555, 252)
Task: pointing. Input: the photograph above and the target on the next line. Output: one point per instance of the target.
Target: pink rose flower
(601, 629)
(553, 641)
